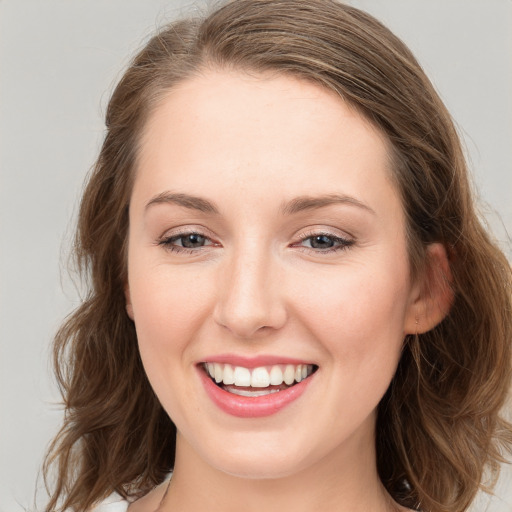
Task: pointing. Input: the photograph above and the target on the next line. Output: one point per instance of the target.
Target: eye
(190, 240)
(324, 243)
(320, 241)
(186, 242)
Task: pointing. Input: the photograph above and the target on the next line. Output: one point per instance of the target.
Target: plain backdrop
(59, 60)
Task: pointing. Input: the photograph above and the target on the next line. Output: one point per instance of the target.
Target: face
(267, 247)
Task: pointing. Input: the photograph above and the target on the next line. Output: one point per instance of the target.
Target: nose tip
(251, 302)
(246, 322)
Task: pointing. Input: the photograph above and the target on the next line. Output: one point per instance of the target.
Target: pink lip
(252, 362)
(252, 407)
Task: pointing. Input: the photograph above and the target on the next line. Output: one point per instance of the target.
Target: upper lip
(253, 361)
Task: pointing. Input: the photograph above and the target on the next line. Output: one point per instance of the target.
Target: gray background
(58, 62)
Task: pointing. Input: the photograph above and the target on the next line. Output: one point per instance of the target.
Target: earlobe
(434, 293)
(129, 307)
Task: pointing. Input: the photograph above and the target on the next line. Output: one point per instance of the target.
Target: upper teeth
(260, 377)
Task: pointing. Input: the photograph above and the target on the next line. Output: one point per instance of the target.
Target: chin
(258, 464)
(270, 469)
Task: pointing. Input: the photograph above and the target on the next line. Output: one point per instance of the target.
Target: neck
(345, 481)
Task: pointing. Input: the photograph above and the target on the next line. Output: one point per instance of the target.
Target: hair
(440, 435)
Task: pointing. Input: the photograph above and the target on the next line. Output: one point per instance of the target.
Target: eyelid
(185, 230)
(323, 230)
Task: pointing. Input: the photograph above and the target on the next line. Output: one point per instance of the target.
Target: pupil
(321, 242)
(193, 240)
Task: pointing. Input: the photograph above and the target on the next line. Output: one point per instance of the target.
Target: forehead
(275, 133)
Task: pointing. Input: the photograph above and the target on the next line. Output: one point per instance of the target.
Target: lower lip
(252, 407)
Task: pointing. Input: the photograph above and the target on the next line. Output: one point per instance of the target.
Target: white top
(114, 503)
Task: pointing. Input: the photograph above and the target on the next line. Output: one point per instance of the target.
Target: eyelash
(169, 241)
(342, 243)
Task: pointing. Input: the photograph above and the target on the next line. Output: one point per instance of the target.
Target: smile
(257, 381)
(255, 391)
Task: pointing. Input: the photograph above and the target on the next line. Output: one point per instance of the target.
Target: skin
(250, 145)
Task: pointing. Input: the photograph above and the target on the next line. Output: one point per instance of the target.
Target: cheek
(358, 314)
(171, 306)
(165, 311)
(358, 321)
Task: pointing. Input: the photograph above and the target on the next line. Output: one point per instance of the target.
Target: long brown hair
(439, 427)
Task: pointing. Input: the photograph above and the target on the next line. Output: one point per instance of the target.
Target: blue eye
(325, 243)
(321, 242)
(185, 242)
(190, 241)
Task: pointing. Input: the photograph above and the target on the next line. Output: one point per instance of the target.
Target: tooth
(228, 377)
(218, 372)
(276, 376)
(260, 378)
(242, 376)
(259, 392)
(289, 374)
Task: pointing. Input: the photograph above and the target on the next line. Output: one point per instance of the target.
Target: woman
(293, 304)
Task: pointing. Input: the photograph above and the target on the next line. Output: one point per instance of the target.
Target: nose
(250, 299)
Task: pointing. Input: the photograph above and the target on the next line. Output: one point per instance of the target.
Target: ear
(432, 296)
(129, 307)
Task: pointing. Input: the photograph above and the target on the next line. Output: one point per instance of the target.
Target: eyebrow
(296, 205)
(303, 203)
(185, 200)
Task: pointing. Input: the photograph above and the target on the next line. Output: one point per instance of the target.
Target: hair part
(439, 426)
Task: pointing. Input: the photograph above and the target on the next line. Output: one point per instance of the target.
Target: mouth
(257, 382)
